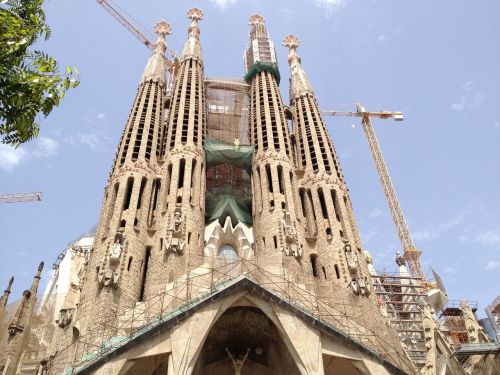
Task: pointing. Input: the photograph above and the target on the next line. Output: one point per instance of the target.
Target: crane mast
(411, 254)
(128, 25)
(20, 197)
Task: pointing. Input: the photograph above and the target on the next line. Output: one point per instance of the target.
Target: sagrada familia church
(227, 244)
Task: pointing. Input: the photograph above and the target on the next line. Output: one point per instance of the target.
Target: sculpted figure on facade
(292, 247)
(238, 362)
(69, 306)
(176, 232)
(115, 252)
(359, 285)
(109, 275)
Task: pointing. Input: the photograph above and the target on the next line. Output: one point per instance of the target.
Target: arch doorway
(244, 336)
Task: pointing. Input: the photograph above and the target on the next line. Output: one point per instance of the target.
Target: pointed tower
(182, 199)
(5, 297)
(327, 212)
(276, 229)
(19, 327)
(114, 279)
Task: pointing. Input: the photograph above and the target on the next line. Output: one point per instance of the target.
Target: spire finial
(195, 14)
(11, 281)
(162, 28)
(256, 19)
(291, 41)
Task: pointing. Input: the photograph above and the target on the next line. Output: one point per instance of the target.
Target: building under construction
(227, 244)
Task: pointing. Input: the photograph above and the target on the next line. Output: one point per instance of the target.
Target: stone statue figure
(108, 277)
(237, 363)
(115, 252)
(290, 234)
(352, 261)
(69, 306)
(175, 239)
(236, 143)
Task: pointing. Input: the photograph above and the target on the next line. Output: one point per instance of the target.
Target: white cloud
(46, 147)
(91, 140)
(382, 38)
(42, 147)
(428, 234)
(470, 99)
(375, 213)
(101, 116)
(330, 6)
(489, 238)
(222, 4)
(11, 157)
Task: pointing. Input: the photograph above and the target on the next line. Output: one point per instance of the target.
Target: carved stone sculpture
(69, 306)
(176, 232)
(290, 235)
(108, 277)
(115, 252)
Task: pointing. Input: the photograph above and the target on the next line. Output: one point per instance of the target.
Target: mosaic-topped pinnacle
(40, 268)
(163, 28)
(291, 41)
(195, 14)
(10, 283)
(256, 19)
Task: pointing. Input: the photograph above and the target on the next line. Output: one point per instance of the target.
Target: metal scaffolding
(348, 317)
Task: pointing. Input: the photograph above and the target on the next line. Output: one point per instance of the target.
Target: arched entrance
(244, 336)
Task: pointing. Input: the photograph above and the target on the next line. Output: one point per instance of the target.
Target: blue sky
(437, 61)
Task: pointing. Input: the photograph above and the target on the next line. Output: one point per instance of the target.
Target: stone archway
(241, 329)
(342, 366)
(149, 365)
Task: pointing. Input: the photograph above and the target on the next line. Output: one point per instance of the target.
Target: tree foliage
(30, 82)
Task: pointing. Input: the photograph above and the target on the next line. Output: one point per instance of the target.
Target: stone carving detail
(359, 285)
(69, 306)
(115, 252)
(290, 236)
(176, 232)
(109, 275)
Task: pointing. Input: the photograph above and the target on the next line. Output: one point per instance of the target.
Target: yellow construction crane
(20, 197)
(411, 254)
(172, 64)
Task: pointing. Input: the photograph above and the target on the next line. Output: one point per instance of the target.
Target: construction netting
(218, 152)
(228, 151)
(261, 66)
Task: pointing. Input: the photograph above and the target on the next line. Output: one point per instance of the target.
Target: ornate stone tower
(182, 201)
(19, 327)
(270, 282)
(115, 273)
(332, 237)
(276, 227)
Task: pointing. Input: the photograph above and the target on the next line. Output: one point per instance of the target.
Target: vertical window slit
(144, 273)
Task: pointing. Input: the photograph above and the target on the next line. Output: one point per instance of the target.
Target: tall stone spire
(157, 63)
(182, 199)
(5, 297)
(128, 220)
(277, 231)
(329, 221)
(19, 327)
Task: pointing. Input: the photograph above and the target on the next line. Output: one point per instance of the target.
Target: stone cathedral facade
(227, 242)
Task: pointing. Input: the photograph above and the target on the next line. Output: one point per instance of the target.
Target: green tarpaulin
(218, 152)
(221, 206)
(261, 66)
